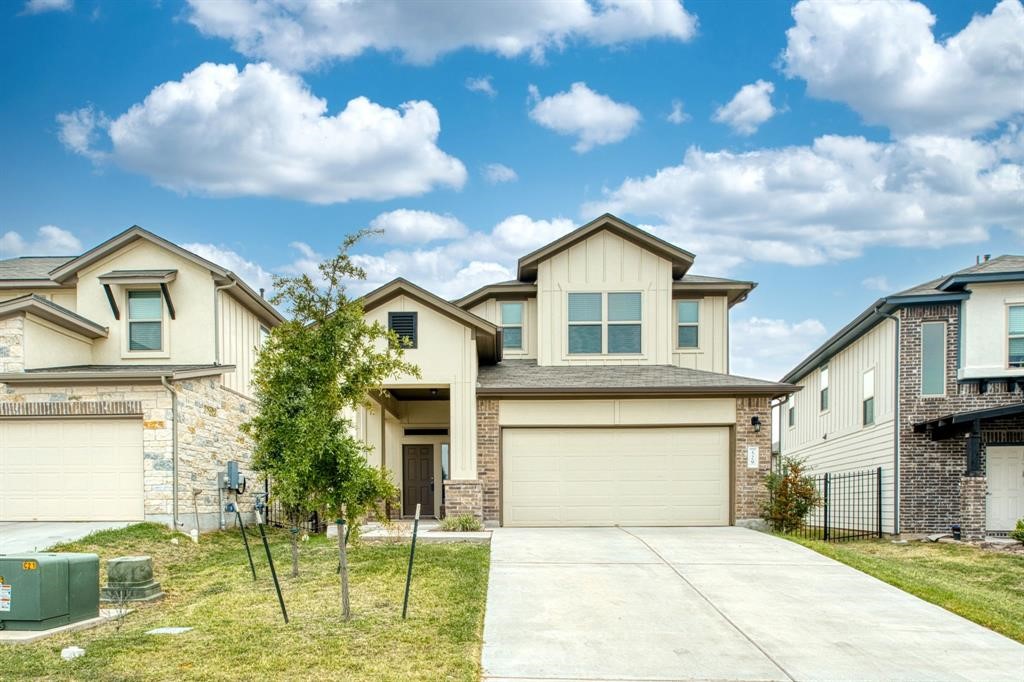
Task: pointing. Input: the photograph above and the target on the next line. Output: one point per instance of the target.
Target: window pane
(687, 311)
(624, 307)
(623, 338)
(1017, 319)
(792, 415)
(824, 399)
(1017, 352)
(512, 337)
(824, 377)
(511, 313)
(144, 305)
(585, 338)
(585, 308)
(688, 336)
(933, 358)
(869, 384)
(143, 336)
(869, 411)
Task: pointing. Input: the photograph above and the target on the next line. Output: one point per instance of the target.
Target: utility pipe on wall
(174, 450)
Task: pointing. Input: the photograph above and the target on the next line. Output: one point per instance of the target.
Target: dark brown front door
(418, 479)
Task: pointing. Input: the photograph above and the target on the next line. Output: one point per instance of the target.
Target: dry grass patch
(983, 586)
(239, 633)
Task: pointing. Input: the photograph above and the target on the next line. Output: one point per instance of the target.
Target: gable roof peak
(681, 259)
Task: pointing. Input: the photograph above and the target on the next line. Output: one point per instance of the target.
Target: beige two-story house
(124, 377)
(592, 390)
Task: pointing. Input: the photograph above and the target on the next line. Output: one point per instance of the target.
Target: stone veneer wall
(933, 491)
(208, 435)
(12, 344)
(488, 457)
(750, 492)
(464, 497)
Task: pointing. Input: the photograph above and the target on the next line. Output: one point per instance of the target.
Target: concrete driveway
(34, 536)
(713, 604)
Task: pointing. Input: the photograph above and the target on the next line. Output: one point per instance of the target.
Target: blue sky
(831, 151)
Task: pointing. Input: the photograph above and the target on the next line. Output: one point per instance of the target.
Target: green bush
(791, 495)
(463, 523)
(1018, 532)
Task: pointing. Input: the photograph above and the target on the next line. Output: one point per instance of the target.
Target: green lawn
(239, 633)
(986, 587)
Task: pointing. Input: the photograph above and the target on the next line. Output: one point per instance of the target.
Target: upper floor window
(404, 326)
(591, 331)
(687, 324)
(145, 320)
(933, 358)
(264, 335)
(1015, 342)
(512, 326)
(823, 391)
(868, 404)
(792, 413)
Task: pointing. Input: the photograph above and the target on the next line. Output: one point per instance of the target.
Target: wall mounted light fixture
(755, 421)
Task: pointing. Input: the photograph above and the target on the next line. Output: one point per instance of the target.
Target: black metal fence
(308, 523)
(850, 506)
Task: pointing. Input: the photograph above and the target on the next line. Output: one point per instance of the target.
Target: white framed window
(687, 324)
(145, 320)
(868, 400)
(1015, 336)
(823, 395)
(264, 335)
(512, 326)
(792, 413)
(605, 323)
(933, 358)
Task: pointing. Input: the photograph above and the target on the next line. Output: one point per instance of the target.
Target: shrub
(791, 495)
(1018, 532)
(463, 523)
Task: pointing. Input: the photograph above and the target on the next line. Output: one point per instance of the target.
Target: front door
(418, 479)
(1005, 502)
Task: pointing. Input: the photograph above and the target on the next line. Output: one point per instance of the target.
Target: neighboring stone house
(926, 383)
(592, 390)
(124, 377)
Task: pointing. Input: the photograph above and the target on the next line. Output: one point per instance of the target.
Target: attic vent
(404, 325)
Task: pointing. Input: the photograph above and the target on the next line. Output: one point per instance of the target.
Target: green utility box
(47, 590)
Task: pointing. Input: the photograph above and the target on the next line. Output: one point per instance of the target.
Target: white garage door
(615, 476)
(71, 470)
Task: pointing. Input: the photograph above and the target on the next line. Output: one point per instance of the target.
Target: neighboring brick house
(124, 377)
(942, 366)
(591, 390)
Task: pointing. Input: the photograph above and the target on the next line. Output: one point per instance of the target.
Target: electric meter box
(46, 590)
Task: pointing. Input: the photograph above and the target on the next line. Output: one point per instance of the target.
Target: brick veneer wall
(749, 483)
(488, 459)
(972, 507)
(464, 497)
(931, 472)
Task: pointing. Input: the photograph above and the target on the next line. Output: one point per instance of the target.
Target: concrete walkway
(17, 537)
(713, 604)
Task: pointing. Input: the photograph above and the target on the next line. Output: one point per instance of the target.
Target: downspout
(174, 450)
(896, 429)
(216, 318)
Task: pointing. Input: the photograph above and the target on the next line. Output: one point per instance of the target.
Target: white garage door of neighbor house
(615, 476)
(71, 470)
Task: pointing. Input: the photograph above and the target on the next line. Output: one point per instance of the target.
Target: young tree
(312, 371)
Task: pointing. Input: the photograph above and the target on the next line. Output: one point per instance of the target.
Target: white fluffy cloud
(768, 348)
(595, 119)
(807, 205)
(462, 265)
(749, 108)
(41, 6)
(303, 35)
(496, 173)
(481, 84)
(882, 59)
(677, 115)
(404, 226)
(876, 283)
(50, 240)
(251, 273)
(261, 132)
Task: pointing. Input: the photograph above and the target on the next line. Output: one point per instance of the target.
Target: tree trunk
(293, 538)
(343, 569)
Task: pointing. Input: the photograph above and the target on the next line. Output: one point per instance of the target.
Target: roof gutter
(772, 390)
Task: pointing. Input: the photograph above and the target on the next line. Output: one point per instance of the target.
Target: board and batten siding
(490, 310)
(239, 330)
(835, 439)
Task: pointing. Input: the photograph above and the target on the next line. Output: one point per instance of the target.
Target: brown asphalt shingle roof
(525, 376)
